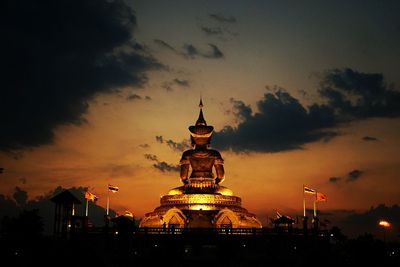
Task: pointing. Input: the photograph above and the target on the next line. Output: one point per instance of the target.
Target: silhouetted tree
(20, 196)
(27, 225)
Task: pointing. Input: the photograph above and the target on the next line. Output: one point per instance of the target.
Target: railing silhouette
(177, 230)
(215, 231)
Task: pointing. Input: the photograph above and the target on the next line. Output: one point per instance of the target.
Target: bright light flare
(384, 223)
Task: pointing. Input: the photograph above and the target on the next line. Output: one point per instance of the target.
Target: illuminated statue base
(193, 206)
(201, 201)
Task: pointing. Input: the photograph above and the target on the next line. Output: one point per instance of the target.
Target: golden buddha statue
(201, 161)
(201, 201)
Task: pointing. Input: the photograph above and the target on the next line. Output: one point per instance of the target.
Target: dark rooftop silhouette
(65, 197)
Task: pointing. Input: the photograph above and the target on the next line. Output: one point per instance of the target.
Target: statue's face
(201, 140)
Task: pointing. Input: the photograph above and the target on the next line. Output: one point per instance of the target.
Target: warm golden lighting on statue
(174, 192)
(200, 207)
(201, 201)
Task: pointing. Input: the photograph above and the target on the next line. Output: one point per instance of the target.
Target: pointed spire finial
(200, 128)
(201, 120)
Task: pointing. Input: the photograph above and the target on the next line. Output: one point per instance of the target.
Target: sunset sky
(299, 92)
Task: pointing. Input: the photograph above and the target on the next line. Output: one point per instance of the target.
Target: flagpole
(315, 208)
(304, 203)
(87, 207)
(108, 200)
(315, 204)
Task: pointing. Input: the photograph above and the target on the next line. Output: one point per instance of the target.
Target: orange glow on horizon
(265, 181)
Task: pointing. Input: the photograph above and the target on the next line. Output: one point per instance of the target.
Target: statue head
(200, 133)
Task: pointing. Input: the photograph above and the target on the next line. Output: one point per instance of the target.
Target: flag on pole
(90, 196)
(310, 191)
(278, 215)
(320, 197)
(113, 188)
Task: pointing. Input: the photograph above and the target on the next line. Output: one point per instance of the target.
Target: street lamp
(385, 225)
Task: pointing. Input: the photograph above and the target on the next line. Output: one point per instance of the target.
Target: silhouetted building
(124, 224)
(64, 221)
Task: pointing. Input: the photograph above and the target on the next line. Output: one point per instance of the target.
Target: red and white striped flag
(113, 188)
(308, 190)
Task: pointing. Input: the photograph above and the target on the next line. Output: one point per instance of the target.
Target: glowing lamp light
(200, 207)
(384, 223)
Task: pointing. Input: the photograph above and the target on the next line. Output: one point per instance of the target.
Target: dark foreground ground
(197, 249)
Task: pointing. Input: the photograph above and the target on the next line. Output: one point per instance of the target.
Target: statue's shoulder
(187, 153)
(215, 153)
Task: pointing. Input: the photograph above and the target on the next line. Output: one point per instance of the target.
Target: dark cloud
(160, 139)
(241, 110)
(189, 51)
(165, 167)
(334, 179)
(184, 83)
(133, 97)
(165, 45)
(169, 86)
(215, 52)
(151, 157)
(56, 56)
(218, 32)
(177, 146)
(212, 31)
(370, 138)
(356, 95)
(222, 18)
(222, 30)
(1, 170)
(144, 145)
(354, 175)
(282, 123)
(137, 97)
(162, 165)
